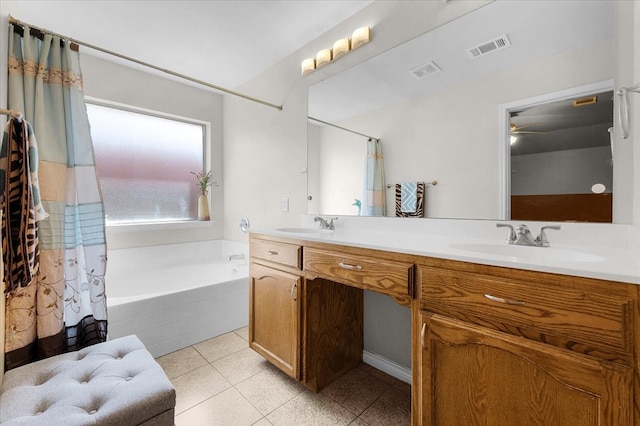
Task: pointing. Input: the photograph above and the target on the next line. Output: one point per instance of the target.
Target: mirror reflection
(562, 160)
(435, 103)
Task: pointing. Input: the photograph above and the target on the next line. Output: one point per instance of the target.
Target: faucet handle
(331, 224)
(541, 239)
(511, 238)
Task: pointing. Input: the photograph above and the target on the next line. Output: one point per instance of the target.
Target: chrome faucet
(524, 237)
(521, 235)
(324, 224)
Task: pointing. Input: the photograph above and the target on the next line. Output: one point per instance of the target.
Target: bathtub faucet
(239, 256)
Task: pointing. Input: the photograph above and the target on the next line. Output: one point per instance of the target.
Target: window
(144, 163)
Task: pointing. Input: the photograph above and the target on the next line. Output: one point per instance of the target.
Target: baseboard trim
(393, 369)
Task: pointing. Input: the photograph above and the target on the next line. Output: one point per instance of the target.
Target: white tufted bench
(112, 383)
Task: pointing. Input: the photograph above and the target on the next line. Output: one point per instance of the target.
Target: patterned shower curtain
(376, 204)
(64, 307)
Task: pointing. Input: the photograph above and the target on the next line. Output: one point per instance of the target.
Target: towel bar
(432, 183)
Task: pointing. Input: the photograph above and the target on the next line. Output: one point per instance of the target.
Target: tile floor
(222, 382)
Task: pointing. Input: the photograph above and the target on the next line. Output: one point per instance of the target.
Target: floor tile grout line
(211, 396)
(388, 387)
(265, 415)
(395, 386)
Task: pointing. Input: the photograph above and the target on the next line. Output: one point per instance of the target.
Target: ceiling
(225, 43)
(535, 30)
(560, 126)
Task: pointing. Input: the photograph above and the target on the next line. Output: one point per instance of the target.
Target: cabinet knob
(294, 293)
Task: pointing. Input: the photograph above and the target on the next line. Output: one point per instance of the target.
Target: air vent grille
(489, 46)
(585, 101)
(425, 70)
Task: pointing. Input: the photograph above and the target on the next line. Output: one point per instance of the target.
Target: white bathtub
(172, 296)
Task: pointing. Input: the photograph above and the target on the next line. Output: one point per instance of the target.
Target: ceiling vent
(425, 70)
(489, 46)
(585, 101)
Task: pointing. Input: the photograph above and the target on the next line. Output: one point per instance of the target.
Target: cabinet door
(475, 376)
(274, 317)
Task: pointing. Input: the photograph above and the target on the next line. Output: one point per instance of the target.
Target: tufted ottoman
(112, 383)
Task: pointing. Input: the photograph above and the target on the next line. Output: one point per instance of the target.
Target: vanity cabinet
(501, 346)
(490, 345)
(274, 303)
(307, 306)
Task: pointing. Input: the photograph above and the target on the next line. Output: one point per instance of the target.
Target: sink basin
(529, 253)
(304, 230)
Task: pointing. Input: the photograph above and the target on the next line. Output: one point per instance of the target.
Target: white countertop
(604, 251)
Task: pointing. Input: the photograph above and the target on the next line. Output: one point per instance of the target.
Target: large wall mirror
(446, 104)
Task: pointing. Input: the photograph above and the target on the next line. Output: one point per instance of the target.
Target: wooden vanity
(490, 345)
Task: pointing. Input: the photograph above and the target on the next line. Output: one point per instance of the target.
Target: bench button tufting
(128, 378)
(93, 411)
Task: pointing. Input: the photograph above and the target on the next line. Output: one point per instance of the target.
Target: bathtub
(172, 296)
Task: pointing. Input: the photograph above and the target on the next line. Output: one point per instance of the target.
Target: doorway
(558, 158)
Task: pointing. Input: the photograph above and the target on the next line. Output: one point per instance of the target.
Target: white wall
(572, 171)
(627, 73)
(634, 36)
(339, 157)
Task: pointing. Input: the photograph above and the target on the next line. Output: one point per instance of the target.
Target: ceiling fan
(518, 130)
(515, 131)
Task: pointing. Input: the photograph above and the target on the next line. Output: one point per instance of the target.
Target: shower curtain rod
(11, 113)
(340, 127)
(14, 21)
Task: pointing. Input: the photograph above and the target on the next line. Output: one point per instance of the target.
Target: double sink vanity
(501, 333)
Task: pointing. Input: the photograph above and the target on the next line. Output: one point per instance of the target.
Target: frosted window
(144, 163)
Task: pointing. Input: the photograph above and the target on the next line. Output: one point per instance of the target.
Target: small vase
(203, 207)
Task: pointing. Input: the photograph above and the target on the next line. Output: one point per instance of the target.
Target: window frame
(207, 162)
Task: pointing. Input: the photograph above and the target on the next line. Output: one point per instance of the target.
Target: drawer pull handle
(273, 252)
(293, 291)
(422, 334)
(501, 300)
(350, 267)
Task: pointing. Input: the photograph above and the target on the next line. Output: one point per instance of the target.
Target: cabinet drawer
(283, 253)
(537, 309)
(379, 275)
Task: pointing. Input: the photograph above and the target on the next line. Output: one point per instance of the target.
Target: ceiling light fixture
(360, 36)
(340, 48)
(308, 65)
(323, 57)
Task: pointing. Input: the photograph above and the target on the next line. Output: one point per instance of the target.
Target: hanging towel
(20, 204)
(404, 194)
(408, 197)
